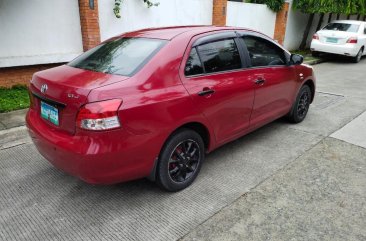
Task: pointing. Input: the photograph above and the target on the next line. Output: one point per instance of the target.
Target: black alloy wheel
(301, 106)
(180, 160)
(184, 160)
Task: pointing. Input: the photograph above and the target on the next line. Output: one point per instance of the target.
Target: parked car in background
(152, 103)
(343, 37)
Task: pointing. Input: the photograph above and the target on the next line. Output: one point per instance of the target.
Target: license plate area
(50, 113)
(332, 40)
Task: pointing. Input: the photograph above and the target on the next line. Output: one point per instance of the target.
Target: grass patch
(305, 52)
(14, 98)
(307, 55)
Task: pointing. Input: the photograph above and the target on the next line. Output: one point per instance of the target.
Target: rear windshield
(344, 27)
(123, 56)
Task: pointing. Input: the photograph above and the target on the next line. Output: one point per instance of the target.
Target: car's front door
(214, 78)
(275, 80)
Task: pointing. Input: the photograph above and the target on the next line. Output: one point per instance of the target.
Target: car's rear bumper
(95, 157)
(344, 49)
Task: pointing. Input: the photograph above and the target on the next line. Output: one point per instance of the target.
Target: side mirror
(296, 59)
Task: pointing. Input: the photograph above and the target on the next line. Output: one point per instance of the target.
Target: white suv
(343, 37)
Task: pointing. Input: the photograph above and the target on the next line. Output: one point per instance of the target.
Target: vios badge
(44, 88)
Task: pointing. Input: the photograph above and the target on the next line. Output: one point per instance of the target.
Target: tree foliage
(274, 5)
(331, 6)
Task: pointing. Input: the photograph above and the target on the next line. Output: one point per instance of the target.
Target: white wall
(39, 31)
(296, 23)
(254, 16)
(135, 15)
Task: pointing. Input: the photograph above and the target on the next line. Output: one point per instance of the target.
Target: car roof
(169, 33)
(348, 21)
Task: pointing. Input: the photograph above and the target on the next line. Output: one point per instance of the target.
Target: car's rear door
(214, 77)
(275, 80)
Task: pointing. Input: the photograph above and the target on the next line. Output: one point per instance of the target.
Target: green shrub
(274, 5)
(14, 98)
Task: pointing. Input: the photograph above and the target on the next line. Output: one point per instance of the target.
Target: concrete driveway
(276, 183)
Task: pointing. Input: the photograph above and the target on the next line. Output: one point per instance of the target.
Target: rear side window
(122, 56)
(193, 65)
(343, 27)
(264, 53)
(219, 56)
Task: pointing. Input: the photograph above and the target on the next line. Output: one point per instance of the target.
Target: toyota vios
(342, 37)
(152, 103)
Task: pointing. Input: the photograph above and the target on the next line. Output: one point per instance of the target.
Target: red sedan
(152, 103)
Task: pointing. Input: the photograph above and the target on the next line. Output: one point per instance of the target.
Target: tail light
(352, 40)
(98, 116)
(316, 36)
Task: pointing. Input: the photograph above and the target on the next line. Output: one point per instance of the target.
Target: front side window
(264, 53)
(343, 27)
(219, 56)
(121, 56)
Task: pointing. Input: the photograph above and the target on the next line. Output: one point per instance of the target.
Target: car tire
(180, 160)
(358, 57)
(301, 106)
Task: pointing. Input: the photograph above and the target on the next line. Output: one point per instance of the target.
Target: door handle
(260, 81)
(206, 92)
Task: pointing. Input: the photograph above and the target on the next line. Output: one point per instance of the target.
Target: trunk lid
(67, 90)
(334, 37)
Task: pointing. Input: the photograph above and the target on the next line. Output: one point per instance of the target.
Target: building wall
(254, 16)
(46, 33)
(281, 24)
(20, 75)
(219, 12)
(39, 32)
(89, 21)
(135, 15)
(296, 23)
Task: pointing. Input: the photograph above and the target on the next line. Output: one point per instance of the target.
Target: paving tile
(39, 202)
(320, 196)
(2, 126)
(354, 132)
(13, 119)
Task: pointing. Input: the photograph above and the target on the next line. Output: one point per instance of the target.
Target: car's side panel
(155, 104)
(274, 97)
(305, 75)
(274, 85)
(229, 108)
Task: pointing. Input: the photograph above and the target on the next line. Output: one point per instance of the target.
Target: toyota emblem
(44, 88)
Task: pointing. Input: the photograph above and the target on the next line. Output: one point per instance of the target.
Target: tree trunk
(320, 21)
(359, 17)
(364, 18)
(338, 15)
(330, 17)
(307, 31)
(349, 16)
